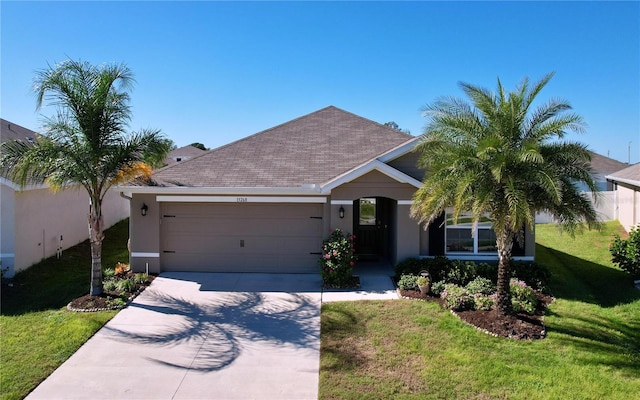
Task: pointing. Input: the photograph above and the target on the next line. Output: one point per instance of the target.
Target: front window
(462, 237)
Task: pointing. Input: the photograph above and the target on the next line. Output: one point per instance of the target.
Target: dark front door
(372, 221)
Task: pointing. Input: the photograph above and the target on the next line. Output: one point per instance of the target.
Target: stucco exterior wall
(144, 233)
(628, 205)
(373, 184)
(41, 218)
(7, 228)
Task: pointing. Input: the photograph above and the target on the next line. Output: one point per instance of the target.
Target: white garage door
(245, 237)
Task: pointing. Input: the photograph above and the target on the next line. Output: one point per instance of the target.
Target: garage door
(245, 237)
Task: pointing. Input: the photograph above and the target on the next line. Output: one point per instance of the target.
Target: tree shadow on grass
(577, 279)
(225, 326)
(603, 340)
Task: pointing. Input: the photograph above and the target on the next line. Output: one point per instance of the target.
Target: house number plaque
(241, 199)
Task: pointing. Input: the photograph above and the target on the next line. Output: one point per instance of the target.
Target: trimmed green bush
(481, 286)
(484, 302)
(457, 298)
(533, 274)
(626, 253)
(523, 298)
(408, 282)
(126, 285)
(437, 288)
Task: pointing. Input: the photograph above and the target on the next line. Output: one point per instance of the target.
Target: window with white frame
(460, 237)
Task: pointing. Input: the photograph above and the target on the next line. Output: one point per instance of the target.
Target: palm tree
(85, 141)
(496, 157)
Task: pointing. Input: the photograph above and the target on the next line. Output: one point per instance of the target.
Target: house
(266, 202)
(601, 167)
(626, 184)
(36, 223)
(182, 154)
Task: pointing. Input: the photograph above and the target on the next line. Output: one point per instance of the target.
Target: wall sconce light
(144, 209)
(341, 212)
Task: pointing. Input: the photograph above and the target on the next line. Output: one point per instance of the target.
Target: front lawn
(37, 332)
(410, 349)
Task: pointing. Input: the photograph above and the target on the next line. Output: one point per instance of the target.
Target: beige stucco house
(266, 202)
(36, 223)
(626, 186)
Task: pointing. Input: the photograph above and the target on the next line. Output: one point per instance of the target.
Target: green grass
(37, 333)
(415, 350)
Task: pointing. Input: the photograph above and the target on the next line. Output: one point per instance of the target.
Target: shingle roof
(311, 149)
(10, 131)
(631, 174)
(605, 165)
(185, 152)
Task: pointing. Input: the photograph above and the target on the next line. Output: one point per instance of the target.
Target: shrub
(457, 298)
(523, 298)
(108, 273)
(126, 285)
(140, 278)
(338, 258)
(461, 272)
(626, 253)
(481, 286)
(483, 302)
(116, 302)
(408, 282)
(489, 271)
(437, 288)
(411, 266)
(109, 285)
(533, 274)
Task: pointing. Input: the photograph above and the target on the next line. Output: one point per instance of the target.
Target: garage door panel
(243, 237)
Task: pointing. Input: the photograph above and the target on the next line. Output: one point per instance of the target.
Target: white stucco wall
(40, 217)
(7, 227)
(628, 206)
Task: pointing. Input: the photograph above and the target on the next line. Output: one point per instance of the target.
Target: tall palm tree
(85, 142)
(497, 157)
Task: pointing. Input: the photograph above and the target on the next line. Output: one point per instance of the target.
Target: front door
(372, 221)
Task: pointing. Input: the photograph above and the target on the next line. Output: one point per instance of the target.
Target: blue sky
(214, 72)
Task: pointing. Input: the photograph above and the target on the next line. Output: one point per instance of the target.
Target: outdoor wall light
(341, 212)
(144, 209)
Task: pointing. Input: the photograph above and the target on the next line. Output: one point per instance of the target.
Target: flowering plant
(338, 258)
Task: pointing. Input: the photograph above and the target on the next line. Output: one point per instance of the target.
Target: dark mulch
(108, 299)
(517, 326)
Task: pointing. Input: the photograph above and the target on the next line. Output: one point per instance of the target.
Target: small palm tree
(497, 157)
(85, 142)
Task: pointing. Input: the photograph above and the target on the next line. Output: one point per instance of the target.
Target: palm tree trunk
(96, 225)
(505, 244)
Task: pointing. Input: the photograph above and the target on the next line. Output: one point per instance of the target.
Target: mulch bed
(104, 301)
(517, 326)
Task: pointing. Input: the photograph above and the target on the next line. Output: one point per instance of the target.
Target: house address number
(241, 200)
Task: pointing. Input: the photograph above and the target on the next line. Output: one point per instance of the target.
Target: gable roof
(310, 150)
(184, 153)
(629, 175)
(604, 165)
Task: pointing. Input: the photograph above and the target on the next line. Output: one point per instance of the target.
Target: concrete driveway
(203, 336)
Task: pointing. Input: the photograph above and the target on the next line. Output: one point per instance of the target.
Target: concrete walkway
(210, 336)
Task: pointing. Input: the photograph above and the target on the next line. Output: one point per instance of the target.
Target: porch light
(341, 212)
(144, 209)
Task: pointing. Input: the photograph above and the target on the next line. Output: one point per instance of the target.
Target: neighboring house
(266, 202)
(626, 185)
(601, 166)
(36, 223)
(183, 154)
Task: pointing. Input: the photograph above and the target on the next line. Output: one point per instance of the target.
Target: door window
(368, 211)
